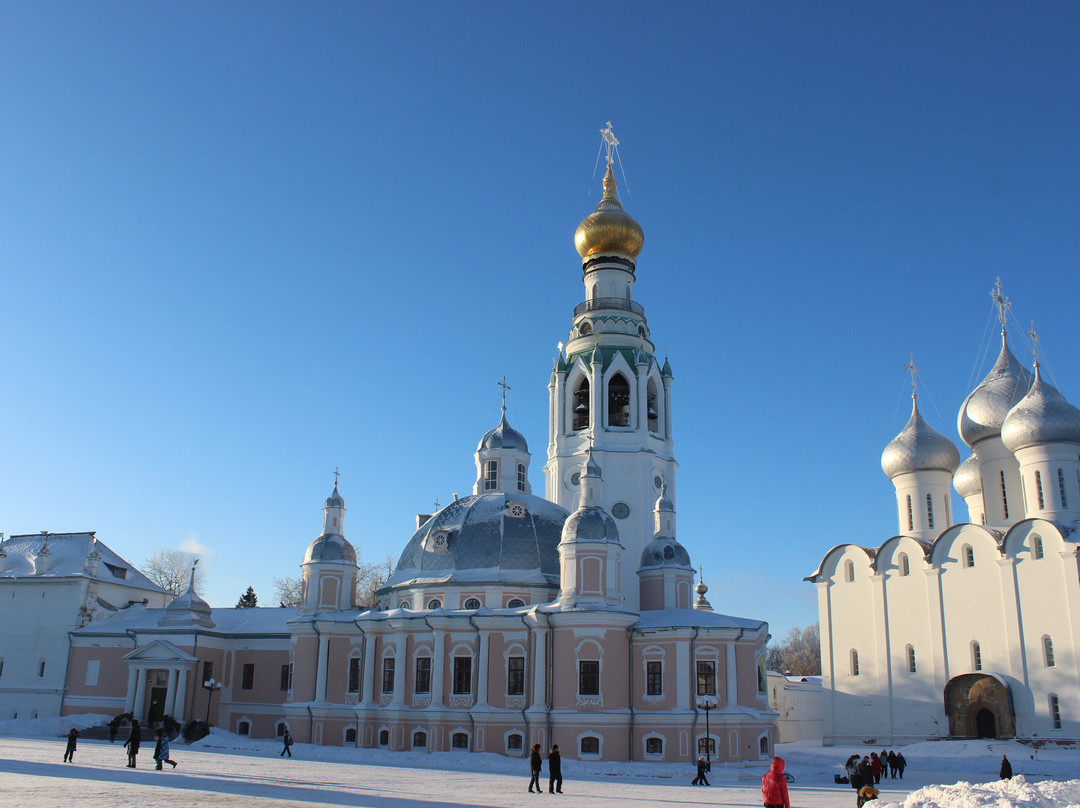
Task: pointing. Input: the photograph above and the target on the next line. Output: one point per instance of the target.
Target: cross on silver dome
(1002, 302)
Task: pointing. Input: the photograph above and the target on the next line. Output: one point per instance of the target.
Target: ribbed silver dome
(590, 524)
(919, 447)
(1042, 416)
(967, 481)
(665, 553)
(987, 405)
(330, 548)
(503, 436)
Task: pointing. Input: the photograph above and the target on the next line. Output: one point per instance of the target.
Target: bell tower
(608, 391)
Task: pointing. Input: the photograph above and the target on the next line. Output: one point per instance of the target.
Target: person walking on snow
(1006, 769)
(161, 750)
(535, 762)
(287, 740)
(702, 767)
(132, 743)
(554, 770)
(774, 786)
(69, 753)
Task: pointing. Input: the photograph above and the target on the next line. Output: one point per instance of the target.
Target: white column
(539, 698)
(732, 677)
(132, 687)
(320, 670)
(596, 397)
(139, 709)
(170, 695)
(437, 668)
(181, 694)
(400, 660)
(368, 686)
(482, 668)
(828, 663)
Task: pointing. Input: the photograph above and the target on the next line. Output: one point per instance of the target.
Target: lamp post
(211, 686)
(707, 703)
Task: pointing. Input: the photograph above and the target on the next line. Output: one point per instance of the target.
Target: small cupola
(502, 458)
(329, 568)
(590, 551)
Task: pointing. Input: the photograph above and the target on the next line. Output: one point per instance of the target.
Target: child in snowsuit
(866, 793)
(69, 753)
(774, 786)
(161, 750)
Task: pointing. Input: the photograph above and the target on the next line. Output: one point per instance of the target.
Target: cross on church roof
(1002, 302)
(913, 370)
(336, 475)
(1034, 343)
(610, 140)
(504, 387)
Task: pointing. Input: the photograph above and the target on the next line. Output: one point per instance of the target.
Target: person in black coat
(535, 762)
(554, 770)
(851, 768)
(865, 772)
(1006, 769)
(132, 743)
(702, 767)
(69, 753)
(287, 740)
(901, 764)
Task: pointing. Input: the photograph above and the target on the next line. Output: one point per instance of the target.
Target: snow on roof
(677, 618)
(67, 558)
(255, 620)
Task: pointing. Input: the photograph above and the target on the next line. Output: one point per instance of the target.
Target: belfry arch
(980, 705)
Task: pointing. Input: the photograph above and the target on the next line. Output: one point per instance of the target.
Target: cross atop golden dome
(609, 229)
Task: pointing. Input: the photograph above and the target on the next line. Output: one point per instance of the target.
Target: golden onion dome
(609, 229)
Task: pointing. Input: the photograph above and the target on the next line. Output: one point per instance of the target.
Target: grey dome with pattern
(967, 480)
(590, 524)
(503, 436)
(330, 548)
(1042, 416)
(481, 539)
(986, 407)
(335, 500)
(665, 553)
(919, 447)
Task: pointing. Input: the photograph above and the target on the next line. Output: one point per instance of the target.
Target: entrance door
(985, 726)
(156, 710)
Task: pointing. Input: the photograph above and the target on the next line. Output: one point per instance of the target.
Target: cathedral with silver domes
(954, 629)
(510, 619)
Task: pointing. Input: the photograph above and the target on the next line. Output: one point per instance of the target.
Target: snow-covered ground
(228, 770)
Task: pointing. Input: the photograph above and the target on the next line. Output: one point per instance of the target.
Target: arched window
(384, 737)
(514, 743)
(618, 401)
(1055, 711)
(1048, 651)
(516, 603)
(419, 739)
(910, 515)
(350, 735)
(652, 414)
(590, 745)
(460, 740)
(595, 292)
(1037, 546)
(654, 746)
(1061, 488)
(281, 727)
(849, 570)
(967, 553)
(521, 476)
(472, 603)
(243, 728)
(1004, 496)
(976, 655)
(854, 662)
(434, 603)
(1039, 490)
(929, 512)
(911, 659)
(491, 475)
(706, 746)
(763, 745)
(905, 565)
(580, 405)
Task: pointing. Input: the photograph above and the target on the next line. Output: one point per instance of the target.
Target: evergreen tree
(248, 599)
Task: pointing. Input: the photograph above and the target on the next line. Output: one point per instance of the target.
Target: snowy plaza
(227, 770)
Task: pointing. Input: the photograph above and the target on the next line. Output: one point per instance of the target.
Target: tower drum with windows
(608, 390)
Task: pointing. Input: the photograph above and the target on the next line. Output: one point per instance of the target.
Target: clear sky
(243, 244)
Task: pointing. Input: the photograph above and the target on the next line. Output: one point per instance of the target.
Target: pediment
(159, 651)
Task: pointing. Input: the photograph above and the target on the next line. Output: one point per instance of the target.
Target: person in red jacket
(774, 786)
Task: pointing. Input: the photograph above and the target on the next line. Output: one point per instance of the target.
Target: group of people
(554, 769)
(870, 769)
(161, 746)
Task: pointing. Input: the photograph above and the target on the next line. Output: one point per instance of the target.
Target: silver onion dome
(1042, 416)
(985, 408)
(590, 524)
(665, 553)
(335, 500)
(503, 436)
(967, 481)
(919, 447)
(330, 548)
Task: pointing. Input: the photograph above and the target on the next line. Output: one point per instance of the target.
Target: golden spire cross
(913, 370)
(1034, 343)
(504, 387)
(610, 140)
(1002, 302)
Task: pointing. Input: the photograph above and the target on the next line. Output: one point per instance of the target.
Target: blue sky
(243, 244)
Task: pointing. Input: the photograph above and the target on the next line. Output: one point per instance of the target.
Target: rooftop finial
(1034, 343)
(437, 506)
(1002, 302)
(611, 141)
(191, 586)
(913, 370)
(504, 387)
(337, 474)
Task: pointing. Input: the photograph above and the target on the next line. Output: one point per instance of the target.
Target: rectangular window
(654, 678)
(207, 671)
(354, 675)
(929, 512)
(976, 656)
(706, 678)
(41, 669)
(1055, 711)
(93, 668)
(247, 676)
(1048, 652)
(423, 675)
(462, 675)
(910, 516)
(706, 746)
(1039, 490)
(521, 476)
(1, 667)
(286, 677)
(590, 746)
(588, 677)
(388, 675)
(1004, 496)
(515, 676)
(491, 475)
(1061, 488)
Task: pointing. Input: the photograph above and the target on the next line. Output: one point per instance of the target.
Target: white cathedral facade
(510, 619)
(954, 629)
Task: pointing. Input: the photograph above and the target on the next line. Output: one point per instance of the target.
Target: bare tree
(171, 570)
(287, 590)
(798, 654)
